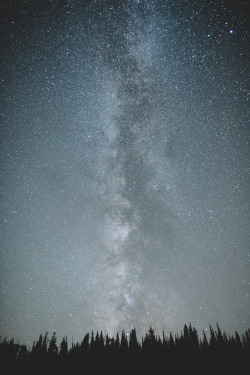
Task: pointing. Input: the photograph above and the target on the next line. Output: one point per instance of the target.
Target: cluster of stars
(124, 170)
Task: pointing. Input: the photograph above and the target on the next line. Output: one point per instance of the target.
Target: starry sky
(124, 166)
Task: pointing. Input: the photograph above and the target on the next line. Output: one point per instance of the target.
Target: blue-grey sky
(124, 166)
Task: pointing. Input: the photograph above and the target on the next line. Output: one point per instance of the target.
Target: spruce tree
(53, 349)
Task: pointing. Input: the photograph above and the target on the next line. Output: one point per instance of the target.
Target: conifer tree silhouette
(107, 342)
(45, 343)
(184, 354)
(101, 341)
(171, 342)
(85, 343)
(53, 349)
(204, 343)
(124, 342)
(150, 341)
(193, 339)
(64, 347)
(117, 342)
(133, 343)
(92, 341)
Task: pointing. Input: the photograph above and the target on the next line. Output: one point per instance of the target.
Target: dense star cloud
(124, 166)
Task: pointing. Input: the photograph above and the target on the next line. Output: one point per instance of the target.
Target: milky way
(124, 166)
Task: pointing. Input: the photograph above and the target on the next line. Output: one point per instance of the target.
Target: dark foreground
(96, 354)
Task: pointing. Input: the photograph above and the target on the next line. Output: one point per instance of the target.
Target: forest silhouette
(214, 353)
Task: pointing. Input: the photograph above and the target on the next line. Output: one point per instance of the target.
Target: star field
(124, 166)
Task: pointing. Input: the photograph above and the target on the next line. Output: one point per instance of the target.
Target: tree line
(187, 353)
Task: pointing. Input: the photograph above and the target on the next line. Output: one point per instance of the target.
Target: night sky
(124, 166)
